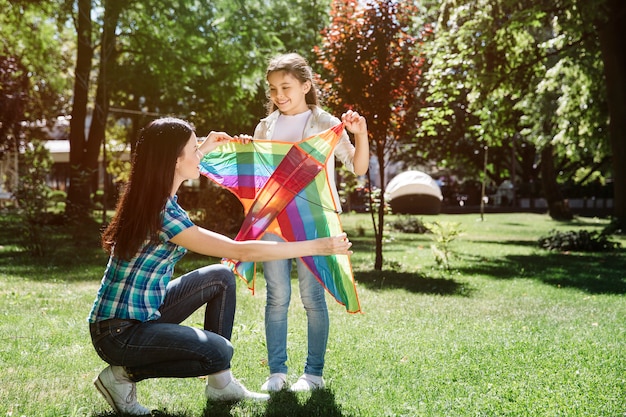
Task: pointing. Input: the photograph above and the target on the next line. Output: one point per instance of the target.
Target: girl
(136, 316)
(294, 114)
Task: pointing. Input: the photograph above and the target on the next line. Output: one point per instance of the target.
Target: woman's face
(288, 93)
(188, 160)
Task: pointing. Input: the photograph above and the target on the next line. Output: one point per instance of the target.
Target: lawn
(510, 330)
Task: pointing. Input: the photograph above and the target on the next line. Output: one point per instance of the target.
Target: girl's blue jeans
(163, 347)
(312, 293)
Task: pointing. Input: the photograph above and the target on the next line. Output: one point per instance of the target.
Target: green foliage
(579, 241)
(214, 75)
(443, 234)
(213, 208)
(13, 97)
(408, 224)
(516, 76)
(34, 34)
(118, 152)
(32, 197)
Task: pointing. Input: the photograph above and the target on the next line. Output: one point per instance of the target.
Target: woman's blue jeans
(278, 284)
(163, 347)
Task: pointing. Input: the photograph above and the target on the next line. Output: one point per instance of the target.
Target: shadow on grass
(71, 252)
(155, 413)
(413, 282)
(511, 242)
(596, 273)
(74, 261)
(320, 403)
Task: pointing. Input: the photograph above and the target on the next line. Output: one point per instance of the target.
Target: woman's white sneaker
(119, 392)
(234, 391)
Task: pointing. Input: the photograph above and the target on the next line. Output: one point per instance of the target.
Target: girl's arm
(357, 125)
(209, 243)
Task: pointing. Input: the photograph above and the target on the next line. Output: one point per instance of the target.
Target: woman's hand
(213, 140)
(335, 245)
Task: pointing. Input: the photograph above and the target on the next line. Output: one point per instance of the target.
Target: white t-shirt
(290, 128)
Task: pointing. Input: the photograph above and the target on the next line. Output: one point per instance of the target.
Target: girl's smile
(288, 93)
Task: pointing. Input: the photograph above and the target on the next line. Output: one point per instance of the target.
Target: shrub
(213, 208)
(32, 197)
(580, 241)
(409, 224)
(444, 234)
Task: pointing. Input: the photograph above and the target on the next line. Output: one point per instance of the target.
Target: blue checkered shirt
(135, 289)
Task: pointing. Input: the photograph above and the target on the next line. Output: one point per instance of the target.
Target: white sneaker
(234, 391)
(308, 382)
(274, 382)
(119, 392)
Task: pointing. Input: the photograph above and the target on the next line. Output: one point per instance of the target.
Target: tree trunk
(77, 199)
(557, 207)
(98, 124)
(612, 34)
(378, 263)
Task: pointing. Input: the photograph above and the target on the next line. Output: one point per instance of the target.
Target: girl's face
(188, 160)
(288, 93)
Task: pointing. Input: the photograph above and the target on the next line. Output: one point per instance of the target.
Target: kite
(284, 189)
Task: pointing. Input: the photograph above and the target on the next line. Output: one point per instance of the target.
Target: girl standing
(295, 114)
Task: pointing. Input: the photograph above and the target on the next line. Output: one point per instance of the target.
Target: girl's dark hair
(297, 66)
(137, 217)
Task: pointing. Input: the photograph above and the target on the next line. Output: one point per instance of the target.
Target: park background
(476, 94)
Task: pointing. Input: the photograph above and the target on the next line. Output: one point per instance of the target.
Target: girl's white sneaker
(274, 382)
(308, 382)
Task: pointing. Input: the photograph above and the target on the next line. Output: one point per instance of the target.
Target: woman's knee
(222, 273)
(218, 356)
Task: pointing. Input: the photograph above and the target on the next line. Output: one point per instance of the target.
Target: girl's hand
(243, 138)
(354, 122)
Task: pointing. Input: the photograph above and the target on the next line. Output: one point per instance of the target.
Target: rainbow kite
(284, 189)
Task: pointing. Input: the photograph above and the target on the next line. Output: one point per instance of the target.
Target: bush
(32, 197)
(580, 241)
(213, 208)
(444, 234)
(408, 224)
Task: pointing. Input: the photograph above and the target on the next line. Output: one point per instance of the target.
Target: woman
(135, 320)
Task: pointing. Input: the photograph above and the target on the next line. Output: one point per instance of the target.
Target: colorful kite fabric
(284, 190)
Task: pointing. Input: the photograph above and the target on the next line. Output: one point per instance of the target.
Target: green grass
(511, 330)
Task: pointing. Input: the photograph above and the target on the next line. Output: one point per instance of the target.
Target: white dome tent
(414, 192)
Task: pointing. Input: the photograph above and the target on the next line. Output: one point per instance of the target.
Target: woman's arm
(209, 243)
(213, 140)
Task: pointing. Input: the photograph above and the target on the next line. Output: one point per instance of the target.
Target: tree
(210, 73)
(34, 49)
(78, 192)
(533, 71)
(13, 96)
(34, 36)
(611, 26)
(370, 62)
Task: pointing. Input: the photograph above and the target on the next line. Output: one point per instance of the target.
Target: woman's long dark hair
(297, 66)
(138, 214)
